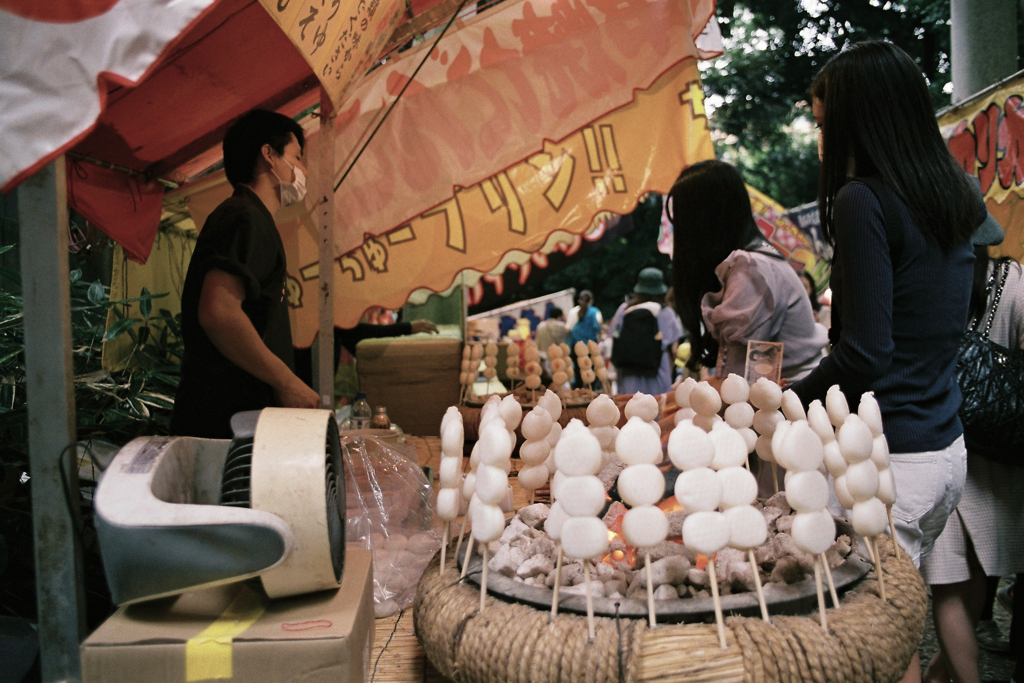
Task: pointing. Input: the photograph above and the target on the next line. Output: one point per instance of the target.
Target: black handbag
(991, 379)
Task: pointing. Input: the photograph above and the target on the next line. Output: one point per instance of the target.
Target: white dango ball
(449, 472)
(637, 443)
(806, 491)
(584, 538)
(556, 518)
(551, 403)
(870, 413)
(511, 412)
(862, 480)
(532, 477)
(706, 532)
(582, 496)
(495, 445)
(641, 485)
(478, 352)
(706, 422)
(602, 373)
(488, 523)
(814, 532)
(836, 406)
(777, 436)
(556, 483)
(683, 390)
(683, 414)
(644, 526)
(801, 448)
(855, 440)
(491, 484)
(490, 373)
(554, 352)
(750, 438)
(592, 347)
(588, 376)
(580, 348)
(602, 412)
(469, 486)
(739, 487)
(763, 448)
(643, 406)
(792, 408)
(835, 463)
(466, 351)
(690, 447)
(880, 452)
(490, 361)
(817, 417)
(705, 400)
(453, 437)
(654, 426)
(559, 378)
(730, 447)
(886, 487)
(578, 452)
(491, 349)
(466, 365)
(765, 421)
(554, 435)
(531, 353)
(747, 527)
(585, 363)
(739, 415)
(699, 489)
(766, 394)
(450, 415)
(532, 381)
(534, 452)
(536, 424)
(735, 389)
(464, 378)
(605, 436)
(843, 493)
(557, 365)
(870, 517)
(448, 502)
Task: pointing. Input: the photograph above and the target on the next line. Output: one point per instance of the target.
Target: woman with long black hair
(900, 212)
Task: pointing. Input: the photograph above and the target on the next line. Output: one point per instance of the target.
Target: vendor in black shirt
(238, 342)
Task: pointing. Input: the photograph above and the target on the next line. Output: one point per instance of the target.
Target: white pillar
(984, 44)
(43, 214)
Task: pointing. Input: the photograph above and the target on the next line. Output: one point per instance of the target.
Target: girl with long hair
(900, 212)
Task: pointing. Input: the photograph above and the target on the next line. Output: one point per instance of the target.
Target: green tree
(758, 88)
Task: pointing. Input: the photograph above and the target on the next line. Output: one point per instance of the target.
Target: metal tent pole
(43, 214)
(325, 220)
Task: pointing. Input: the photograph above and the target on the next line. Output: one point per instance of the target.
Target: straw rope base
(868, 640)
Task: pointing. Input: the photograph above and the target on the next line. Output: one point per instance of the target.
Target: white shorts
(928, 489)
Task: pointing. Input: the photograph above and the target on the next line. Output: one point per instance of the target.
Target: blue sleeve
(865, 348)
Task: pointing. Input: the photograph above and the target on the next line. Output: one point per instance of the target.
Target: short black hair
(554, 312)
(246, 137)
(585, 295)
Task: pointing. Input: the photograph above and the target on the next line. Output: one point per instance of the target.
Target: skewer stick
(465, 560)
(462, 530)
(746, 462)
(828, 579)
(821, 593)
(650, 590)
(590, 601)
(558, 582)
(717, 601)
(892, 531)
(775, 476)
(867, 546)
(878, 570)
(444, 547)
(757, 584)
(483, 582)
(533, 496)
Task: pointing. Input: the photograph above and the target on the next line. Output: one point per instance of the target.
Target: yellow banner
(606, 166)
(339, 39)
(986, 136)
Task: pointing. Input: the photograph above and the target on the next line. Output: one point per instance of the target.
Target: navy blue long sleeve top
(895, 331)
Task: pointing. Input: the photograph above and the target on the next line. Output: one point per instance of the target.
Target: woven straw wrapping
(867, 640)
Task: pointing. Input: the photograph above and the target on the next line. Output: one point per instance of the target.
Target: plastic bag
(390, 510)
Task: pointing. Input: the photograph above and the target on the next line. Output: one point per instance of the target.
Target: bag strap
(996, 294)
(890, 217)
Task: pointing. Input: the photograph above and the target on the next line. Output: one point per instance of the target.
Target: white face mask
(295, 191)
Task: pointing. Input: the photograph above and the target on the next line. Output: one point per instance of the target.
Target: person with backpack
(644, 332)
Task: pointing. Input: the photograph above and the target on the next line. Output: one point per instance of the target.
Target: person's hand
(423, 326)
(294, 393)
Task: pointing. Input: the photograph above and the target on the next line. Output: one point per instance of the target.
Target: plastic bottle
(380, 418)
(361, 414)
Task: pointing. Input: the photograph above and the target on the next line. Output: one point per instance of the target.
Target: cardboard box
(235, 633)
(415, 378)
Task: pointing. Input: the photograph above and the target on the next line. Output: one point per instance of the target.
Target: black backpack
(637, 348)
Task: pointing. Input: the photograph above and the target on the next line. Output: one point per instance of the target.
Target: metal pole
(325, 208)
(42, 208)
(984, 44)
